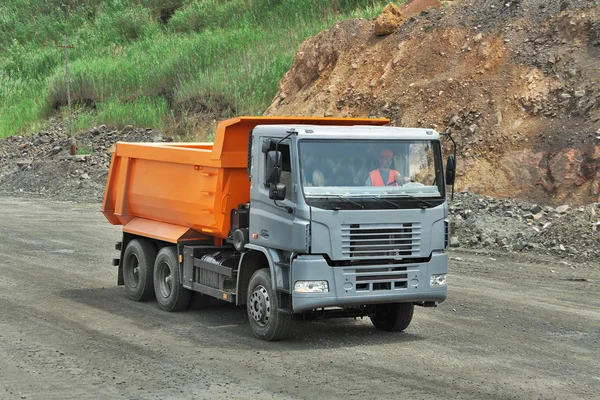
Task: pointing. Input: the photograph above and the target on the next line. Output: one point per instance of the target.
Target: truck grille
(381, 241)
(380, 278)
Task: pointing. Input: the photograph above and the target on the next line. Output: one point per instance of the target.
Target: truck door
(272, 220)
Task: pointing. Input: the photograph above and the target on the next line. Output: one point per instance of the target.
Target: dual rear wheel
(138, 268)
(148, 273)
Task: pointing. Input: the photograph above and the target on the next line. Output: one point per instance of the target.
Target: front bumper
(372, 284)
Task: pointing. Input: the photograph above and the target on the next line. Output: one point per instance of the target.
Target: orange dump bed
(172, 191)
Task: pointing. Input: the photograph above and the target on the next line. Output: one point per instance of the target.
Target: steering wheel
(395, 182)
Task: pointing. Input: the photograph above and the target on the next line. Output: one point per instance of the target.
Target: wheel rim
(133, 270)
(164, 279)
(260, 305)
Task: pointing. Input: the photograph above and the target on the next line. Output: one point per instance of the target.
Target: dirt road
(511, 328)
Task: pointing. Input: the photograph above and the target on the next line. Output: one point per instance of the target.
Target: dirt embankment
(515, 82)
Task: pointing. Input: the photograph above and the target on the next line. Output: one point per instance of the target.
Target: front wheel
(266, 320)
(393, 316)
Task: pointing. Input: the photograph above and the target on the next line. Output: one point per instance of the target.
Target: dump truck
(288, 217)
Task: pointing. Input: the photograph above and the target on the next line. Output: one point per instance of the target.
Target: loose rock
(390, 20)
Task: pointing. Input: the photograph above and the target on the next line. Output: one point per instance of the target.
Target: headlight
(437, 280)
(311, 287)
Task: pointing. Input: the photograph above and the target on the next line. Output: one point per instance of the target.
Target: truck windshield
(391, 171)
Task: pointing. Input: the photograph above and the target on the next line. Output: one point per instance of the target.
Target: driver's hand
(401, 180)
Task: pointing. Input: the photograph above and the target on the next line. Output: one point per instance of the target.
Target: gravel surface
(513, 327)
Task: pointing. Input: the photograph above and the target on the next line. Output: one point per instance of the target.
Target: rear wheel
(170, 293)
(138, 266)
(393, 316)
(266, 320)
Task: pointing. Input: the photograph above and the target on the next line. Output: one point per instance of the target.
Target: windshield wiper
(424, 202)
(338, 196)
(387, 201)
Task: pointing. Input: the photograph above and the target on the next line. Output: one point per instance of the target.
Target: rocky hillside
(516, 82)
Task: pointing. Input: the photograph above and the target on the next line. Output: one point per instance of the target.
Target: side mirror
(273, 167)
(266, 145)
(277, 191)
(450, 170)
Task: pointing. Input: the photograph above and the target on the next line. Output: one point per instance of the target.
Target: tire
(138, 267)
(394, 317)
(266, 320)
(170, 293)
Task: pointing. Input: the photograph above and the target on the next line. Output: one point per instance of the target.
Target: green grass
(127, 67)
(83, 149)
(145, 112)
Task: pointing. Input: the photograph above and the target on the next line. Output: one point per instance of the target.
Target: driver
(384, 176)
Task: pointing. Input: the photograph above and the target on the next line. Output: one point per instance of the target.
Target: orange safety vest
(377, 180)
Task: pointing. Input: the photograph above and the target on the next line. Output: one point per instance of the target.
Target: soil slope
(515, 82)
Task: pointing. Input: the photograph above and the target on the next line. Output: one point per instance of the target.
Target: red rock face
(574, 175)
(571, 176)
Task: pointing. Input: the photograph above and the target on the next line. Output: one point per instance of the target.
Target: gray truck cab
(353, 220)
